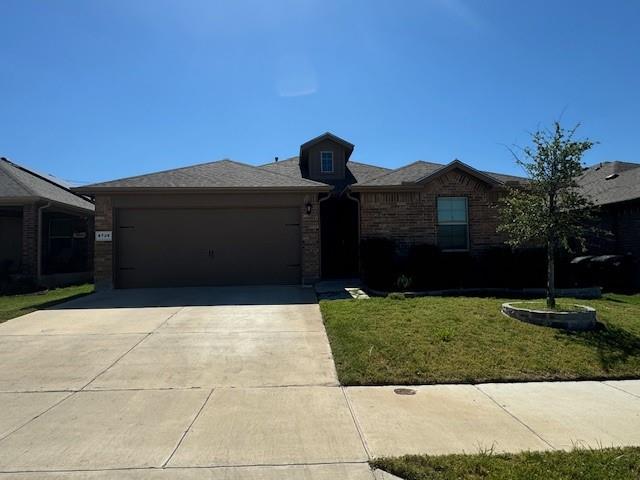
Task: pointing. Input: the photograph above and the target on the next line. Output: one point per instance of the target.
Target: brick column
(311, 240)
(103, 251)
(29, 265)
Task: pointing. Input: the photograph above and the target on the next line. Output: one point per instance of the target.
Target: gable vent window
(453, 223)
(326, 162)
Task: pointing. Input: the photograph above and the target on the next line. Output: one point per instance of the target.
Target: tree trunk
(551, 275)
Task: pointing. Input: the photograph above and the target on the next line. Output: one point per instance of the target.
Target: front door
(339, 236)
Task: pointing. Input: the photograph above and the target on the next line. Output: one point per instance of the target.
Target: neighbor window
(326, 162)
(453, 223)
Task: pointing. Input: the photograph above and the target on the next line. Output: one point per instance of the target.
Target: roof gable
(420, 172)
(457, 164)
(327, 136)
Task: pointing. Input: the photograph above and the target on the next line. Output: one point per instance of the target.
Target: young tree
(549, 210)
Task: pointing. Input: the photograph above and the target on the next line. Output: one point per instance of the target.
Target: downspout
(39, 242)
(357, 200)
(320, 200)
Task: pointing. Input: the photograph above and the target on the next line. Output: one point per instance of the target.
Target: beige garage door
(192, 247)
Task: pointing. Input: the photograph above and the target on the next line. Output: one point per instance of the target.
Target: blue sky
(93, 90)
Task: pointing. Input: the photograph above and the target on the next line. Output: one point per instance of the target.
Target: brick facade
(29, 261)
(310, 240)
(410, 217)
(407, 217)
(103, 251)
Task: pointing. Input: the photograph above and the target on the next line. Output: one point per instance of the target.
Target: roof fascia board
(326, 135)
(411, 187)
(18, 201)
(210, 190)
(70, 208)
(21, 201)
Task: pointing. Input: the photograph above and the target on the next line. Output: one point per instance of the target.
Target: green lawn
(606, 464)
(468, 340)
(15, 305)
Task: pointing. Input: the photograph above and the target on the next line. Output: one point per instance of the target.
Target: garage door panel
(189, 247)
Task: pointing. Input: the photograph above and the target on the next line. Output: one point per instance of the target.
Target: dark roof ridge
(369, 165)
(272, 172)
(13, 177)
(404, 167)
(41, 177)
(159, 171)
(290, 159)
(279, 161)
(615, 163)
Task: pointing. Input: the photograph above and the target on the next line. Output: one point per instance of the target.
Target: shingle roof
(623, 183)
(18, 183)
(415, 171)
(361, 172)
(219, 174)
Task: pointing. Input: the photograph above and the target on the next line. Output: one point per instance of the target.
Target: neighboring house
(615, 188)
(46, 230)
(286, 222)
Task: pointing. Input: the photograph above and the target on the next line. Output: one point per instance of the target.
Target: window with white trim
(326, 162)
(453, 223)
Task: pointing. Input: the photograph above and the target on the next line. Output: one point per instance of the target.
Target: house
(615, 188)
(287, 222)
(46, 230)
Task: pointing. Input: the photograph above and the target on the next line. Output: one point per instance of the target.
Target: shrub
(396, 296)
(19, 286)
(445, 334)
(424, 265)
(403, 282)
(377, 262)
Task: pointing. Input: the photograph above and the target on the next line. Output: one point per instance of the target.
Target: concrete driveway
(239, 383)
(152, 383)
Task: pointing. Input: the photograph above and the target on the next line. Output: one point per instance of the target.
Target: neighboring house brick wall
(103, 251)
(310, 240)
(30, 240)
(628, 228)
(627, 234)
(410, 218)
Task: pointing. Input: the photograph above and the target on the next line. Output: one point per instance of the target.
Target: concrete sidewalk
(163, 385)
(508, 417)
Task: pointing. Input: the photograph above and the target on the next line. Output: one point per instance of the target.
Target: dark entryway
(339, 229)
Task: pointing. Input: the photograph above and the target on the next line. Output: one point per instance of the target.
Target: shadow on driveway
(193, 296)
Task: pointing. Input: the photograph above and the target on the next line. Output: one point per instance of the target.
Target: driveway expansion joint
(621, 390)
(267, 465)
(206, 400)
(116, 361)
(8, 434)
(356, 423)
(193, 467)
(503, 408)
(167, 319)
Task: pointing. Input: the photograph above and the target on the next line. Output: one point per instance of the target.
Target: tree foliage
(549, 210)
